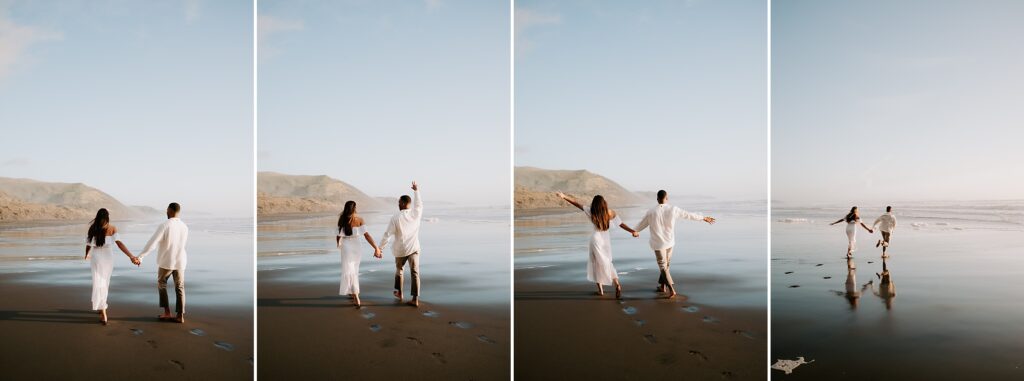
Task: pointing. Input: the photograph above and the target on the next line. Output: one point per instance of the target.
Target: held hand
(87, 257)
(709, 220)
(636, 234)
(415, 187)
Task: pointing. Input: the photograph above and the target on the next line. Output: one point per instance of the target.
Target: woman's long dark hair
(345, 220)
(852, 216)
(599, 214)
(98, 227)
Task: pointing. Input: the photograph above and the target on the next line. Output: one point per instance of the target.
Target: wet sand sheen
(43, 330)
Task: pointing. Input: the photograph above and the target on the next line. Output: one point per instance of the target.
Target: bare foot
(398, 295)
(415, 302)
(358, 303)
(671, 294)
(180, 319)
(661, 288)
(103, 317)
(165, 316)
(879, 243)
(618, 292)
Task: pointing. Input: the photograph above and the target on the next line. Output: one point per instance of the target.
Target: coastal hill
(25, 199)
(535, 188)
(278, 193)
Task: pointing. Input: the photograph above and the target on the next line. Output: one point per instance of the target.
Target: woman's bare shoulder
(357, 221)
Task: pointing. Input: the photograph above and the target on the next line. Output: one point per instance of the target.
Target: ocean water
(464, 259)
(219, 269)
(721, 265)
(952, 312)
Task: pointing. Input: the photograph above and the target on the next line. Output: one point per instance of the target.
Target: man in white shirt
(169, 242)
(404, 229)
(886, 223)
(662, 220)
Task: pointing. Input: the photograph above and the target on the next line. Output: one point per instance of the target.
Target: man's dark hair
(661, 195)
(174, 207)
(888, 209)
(403, 202)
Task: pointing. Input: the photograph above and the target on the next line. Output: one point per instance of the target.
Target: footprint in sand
(431, 314)
(699, 355)
(743, 333)
(439, 357)
(136, 331)
(151, 343)
(415, 340)
(827, 277)
(177, 364)
(709, 319)
(198, 332)
(819, 265)
(650, 339)
(460, 324)
(871, 261)
(486, 339)
(629, 310)
(691, 309)
(789, 272)
(225, 346)
(639, 322)
(367, 315)
(375, 327)
(727, 374)
(794, 285)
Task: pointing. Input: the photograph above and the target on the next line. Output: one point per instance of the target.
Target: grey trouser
(414, 268)
(664, 257)
(179, 288)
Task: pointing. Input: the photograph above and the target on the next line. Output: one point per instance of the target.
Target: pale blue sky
(887, 101)
(150, 101)
(653, 94)
(378, 93)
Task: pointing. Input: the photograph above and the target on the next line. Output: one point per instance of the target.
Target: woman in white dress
(99, 251)
(599, 268)
(852, 219)
(350, 227)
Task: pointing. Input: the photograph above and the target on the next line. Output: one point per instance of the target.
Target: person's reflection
(886, 288)
(852, 294)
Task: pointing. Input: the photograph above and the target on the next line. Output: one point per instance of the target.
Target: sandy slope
(535, 187)
(25, 199)
(281, 194)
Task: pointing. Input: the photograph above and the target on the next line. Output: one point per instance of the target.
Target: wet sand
(715, 329)
(568, 330)
(49, 333)
(951, 314)
(307, 331)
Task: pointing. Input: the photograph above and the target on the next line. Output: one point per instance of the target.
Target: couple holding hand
(661, 219)
(169, 241)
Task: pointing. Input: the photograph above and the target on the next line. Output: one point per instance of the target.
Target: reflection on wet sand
(886, 288)
(852, 294)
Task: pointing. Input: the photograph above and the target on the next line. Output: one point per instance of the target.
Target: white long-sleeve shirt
(886, 222)
(662, 220)
(404, 227)
(169, 241)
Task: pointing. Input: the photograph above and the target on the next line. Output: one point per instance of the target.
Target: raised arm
(570, 200)
(417, 202)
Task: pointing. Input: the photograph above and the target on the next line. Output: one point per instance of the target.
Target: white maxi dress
(851, 234)
(101, 260)
(350, 248)
(599, 267)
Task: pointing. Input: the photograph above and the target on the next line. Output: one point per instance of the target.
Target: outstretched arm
(867, 228)
(694, 216)
(376, 250)
(644, 223)
(840, 220)
(570, 200)
(628, 229)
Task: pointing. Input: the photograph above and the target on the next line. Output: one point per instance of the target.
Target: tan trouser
(664, 257)
(885, 238)
(414, 269)
(179, 288)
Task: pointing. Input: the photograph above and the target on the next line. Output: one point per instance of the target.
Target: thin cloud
(16, 39)
(433, 4)
(526, 19)
(267, 25)
(192, 8)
